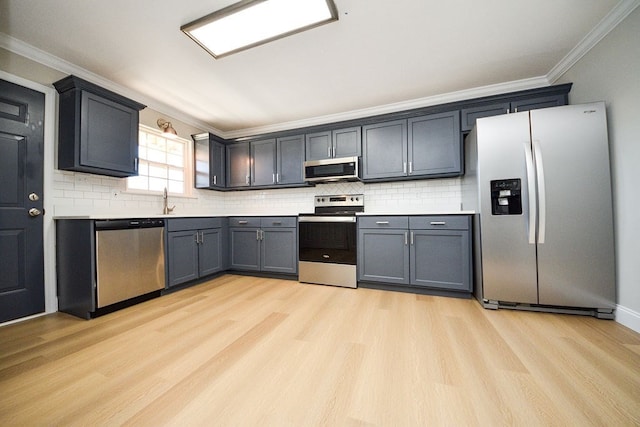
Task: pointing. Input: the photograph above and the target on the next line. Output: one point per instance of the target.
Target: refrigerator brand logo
(589, 111)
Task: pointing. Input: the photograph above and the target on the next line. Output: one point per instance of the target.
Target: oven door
(327, 239)
(327, 250)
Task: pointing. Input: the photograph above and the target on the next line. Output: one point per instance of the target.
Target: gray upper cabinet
(345, 142)
(290, 160)
(98, 129)
(472, 113)
(418, 147)
(435, 144)
(238, 165)
(384, 150)
(209, 155)
(263, 162)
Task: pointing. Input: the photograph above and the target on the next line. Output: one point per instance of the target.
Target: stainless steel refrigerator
(541, 186)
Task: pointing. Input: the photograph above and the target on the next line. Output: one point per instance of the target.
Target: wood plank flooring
(247, 351)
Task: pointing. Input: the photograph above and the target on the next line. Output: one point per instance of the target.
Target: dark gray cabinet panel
(384, 150)
(334, 143)
(472, 113)
(290, 160)
(195, 248)
(268, 244)
(182, 257)
(209, 162)
(263, 162)
(98, 129)
(383, 255)
(244, 246)
(238, 165)
(435, 144)
(441, 259)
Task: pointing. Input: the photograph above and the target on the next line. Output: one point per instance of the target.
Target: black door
(21, 164)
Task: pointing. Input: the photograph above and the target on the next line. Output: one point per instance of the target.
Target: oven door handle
(327, 219)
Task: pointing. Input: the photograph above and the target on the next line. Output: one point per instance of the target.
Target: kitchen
(76, 193)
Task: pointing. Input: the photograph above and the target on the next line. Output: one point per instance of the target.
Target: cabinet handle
(329, 151)
(257, 234)
(382, 222)
(215, 180)
(515, 110)
(438, 223)
(507, 111)
(334, 151)
(277, 222)
(273, 178)
(197, 238)
(404, 167)
(243, 222)
(405, 239)
(412, 238)
(277, 177)
(410, 167)
(135, 164)
(261, 234)
(247, 180)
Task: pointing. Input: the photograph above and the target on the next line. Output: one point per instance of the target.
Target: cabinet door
(435, 145)
(182, 254)
(318, 146)
(238, 160)
(384, 150)
(210, 251)
(290, 160)
(245, 248)
(470, 115)
(383, 256)
(218, 160)
(536, 103)
(347, 142)
(263, 162)
(279, 247)
(108, 135)
(441, 259)
(201, 162)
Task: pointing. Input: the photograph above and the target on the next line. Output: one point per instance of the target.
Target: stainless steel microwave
(328, 170)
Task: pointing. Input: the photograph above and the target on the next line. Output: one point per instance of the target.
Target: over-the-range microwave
(329, 170)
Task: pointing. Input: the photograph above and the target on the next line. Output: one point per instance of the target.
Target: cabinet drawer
(244, 221)
(279, 221)
(439, 222)
(383, 222)
(181, 224)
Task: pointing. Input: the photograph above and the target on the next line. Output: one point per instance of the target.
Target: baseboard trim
(628, 317)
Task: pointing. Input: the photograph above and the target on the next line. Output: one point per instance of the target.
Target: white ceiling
(379, 53)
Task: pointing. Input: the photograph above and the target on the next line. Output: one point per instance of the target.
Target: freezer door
(576, 249)
(508, 253)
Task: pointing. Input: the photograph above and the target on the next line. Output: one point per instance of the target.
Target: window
(163, 163)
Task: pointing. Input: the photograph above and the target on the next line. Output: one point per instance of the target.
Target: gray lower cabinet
(195, 248)
(417, 251)
(426, 146)
(268, 244)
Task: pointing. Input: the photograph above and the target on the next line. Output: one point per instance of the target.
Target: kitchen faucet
(166, 210)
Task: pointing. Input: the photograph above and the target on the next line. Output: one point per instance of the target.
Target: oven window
(327, 242)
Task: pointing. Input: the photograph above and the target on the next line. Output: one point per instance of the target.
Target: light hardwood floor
(247, 351)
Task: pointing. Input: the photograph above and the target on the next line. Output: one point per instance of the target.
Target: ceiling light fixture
(166, 127)
(251, 23)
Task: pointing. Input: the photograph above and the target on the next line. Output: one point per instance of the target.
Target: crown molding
(33, 53)
(593, 37)
(462, 95)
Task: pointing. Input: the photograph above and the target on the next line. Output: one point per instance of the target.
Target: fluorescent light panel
(251, 23)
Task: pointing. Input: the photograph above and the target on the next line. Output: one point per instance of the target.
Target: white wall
(610, 72)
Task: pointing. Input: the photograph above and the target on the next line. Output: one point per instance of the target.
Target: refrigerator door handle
(531, 189)
(542, 225)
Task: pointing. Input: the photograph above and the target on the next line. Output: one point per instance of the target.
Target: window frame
(187, 165)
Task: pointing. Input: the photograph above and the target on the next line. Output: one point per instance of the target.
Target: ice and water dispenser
(506, 197)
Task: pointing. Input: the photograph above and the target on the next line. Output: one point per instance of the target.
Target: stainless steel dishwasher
(129, 259)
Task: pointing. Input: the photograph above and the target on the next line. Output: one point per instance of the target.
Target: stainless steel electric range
(327, 247)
